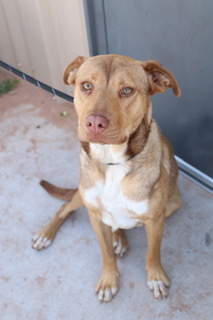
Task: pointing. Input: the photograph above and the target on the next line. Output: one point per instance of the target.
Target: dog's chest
(117, 211)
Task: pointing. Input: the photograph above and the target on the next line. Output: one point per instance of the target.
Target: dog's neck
(109, 154)
(112, 154)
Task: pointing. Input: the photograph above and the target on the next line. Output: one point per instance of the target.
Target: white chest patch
(117, 210)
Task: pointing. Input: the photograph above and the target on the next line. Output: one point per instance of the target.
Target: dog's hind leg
(174, 202)
(119, 241)
(44, 238)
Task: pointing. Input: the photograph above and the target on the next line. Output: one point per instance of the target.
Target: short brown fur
(120, 90)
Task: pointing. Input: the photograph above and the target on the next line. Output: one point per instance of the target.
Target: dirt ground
(37, 142)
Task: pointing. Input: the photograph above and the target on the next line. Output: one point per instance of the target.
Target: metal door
(180, 35)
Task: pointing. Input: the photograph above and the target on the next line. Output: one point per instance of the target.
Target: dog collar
(112, 164)
(117, 163)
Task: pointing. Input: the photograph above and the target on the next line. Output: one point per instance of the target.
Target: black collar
(112, 164)
(117, 163)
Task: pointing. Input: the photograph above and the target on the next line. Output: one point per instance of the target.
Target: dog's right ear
(71, 70)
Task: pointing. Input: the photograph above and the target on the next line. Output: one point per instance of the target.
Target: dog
(128, 174)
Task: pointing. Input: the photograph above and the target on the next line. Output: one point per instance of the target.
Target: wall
(40, 37)
(179, 35)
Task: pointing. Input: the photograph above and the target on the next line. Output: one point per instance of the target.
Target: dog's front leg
(157, 278)
(107, 285)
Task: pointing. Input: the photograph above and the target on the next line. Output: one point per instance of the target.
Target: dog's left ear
(71, 70)
(160, 79)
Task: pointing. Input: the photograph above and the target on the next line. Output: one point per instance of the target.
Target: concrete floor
(58, 283)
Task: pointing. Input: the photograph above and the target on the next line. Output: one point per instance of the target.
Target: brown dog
(128, 171)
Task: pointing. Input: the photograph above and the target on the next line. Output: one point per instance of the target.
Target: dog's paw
(107, 294)
(40, 241)
(159, 288)
(158, 282)
(119, 248)
(120, 244)
(107, 286)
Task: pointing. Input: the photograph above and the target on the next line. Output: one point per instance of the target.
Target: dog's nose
(96, 124)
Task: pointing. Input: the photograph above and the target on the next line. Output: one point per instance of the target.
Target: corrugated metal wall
(40, 37)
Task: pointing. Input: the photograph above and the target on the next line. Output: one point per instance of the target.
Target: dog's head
(112, 95)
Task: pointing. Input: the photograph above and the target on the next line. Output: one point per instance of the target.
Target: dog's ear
(160, 79)
(71, 70)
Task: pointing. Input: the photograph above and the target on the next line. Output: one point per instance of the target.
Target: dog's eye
(87, 86)
(126, 91)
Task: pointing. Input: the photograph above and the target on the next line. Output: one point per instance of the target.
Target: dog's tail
(60, 193)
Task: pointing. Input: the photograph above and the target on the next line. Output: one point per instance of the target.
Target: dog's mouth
(101, 138)
(94, 138)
